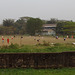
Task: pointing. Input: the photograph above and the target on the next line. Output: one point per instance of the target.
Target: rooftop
(49, 25)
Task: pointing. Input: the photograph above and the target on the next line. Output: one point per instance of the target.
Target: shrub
(46, 43)
(14, 46)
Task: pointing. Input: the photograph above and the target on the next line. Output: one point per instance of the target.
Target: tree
(59, 28)
(20, 26)
(52, 21)
(69, 28)
(8, 22)
(65, 28)
(34, 25)
(7, 30)
(2, 30)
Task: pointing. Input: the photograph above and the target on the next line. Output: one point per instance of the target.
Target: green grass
(64, 71)
(14, 48)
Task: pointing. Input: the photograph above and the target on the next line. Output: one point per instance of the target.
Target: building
(48, 29)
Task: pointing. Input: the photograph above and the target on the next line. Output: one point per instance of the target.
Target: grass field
(30, 44)
(32, 40)
(64, 71)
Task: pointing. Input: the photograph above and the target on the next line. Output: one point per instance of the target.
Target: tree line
(30, 26)
(65, 28)
(25, 25)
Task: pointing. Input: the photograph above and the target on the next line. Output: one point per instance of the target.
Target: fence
(37, 60)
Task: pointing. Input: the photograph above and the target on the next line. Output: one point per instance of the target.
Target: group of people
(7, 39)
(65, 37)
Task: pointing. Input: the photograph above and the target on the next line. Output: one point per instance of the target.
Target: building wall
(48, 29)
(49, 33)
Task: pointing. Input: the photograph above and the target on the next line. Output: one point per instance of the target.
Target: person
(38, 40)
(8, 40)
(64, 38)
(67, 36)
(11, 37)
(72, 36)
(21, 37)
(2, 40)
(56, 37)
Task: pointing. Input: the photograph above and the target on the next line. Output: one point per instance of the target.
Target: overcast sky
(44, 9)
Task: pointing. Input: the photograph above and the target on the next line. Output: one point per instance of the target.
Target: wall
(37, 60)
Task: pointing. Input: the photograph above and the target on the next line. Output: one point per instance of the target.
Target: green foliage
(34, 25)
(43, 48)
(29, 25)
(13, 46)
(20, 26)
(7, 30)
(65, 28)
(8, 22)
(59, 28)
(69, 28)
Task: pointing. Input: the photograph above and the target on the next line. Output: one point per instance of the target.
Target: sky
(43, 9)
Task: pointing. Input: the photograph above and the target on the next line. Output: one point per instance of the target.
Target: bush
(13, 46)
(46, 43)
